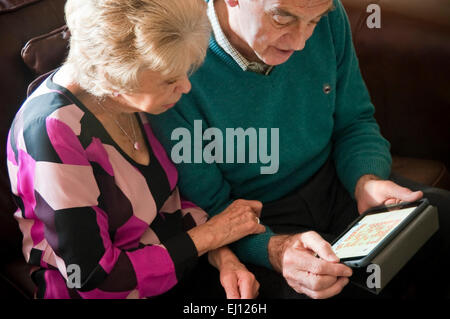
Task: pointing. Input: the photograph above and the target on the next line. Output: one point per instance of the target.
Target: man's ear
(232, 3)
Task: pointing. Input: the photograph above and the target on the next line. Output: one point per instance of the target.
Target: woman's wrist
(221, 257)
(204, 238)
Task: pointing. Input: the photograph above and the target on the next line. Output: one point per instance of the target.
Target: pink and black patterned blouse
(82, 201)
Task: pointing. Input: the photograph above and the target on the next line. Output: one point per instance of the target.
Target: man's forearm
(253, 249)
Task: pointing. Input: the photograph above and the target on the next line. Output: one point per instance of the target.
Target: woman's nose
(184, 86)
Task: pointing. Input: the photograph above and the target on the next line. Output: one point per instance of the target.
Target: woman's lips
(168, 106)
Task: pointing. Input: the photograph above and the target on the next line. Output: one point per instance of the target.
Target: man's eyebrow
(283, 12)
(332, 7)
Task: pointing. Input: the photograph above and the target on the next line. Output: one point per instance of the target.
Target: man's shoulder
(338, 15)
(336, 24)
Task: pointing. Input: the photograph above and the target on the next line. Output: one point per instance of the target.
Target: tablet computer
(373, 230)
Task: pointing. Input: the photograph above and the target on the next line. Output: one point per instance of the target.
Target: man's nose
(299, 37)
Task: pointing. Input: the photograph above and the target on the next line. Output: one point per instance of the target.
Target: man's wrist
(277, 246)
(362, 181)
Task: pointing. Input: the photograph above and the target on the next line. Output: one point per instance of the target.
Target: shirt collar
(223, 42)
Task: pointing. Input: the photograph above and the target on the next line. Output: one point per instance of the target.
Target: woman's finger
(246, 288)
(254, 204)
(230, 284)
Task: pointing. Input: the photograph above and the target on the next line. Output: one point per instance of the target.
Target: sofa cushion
(412, 102)
(11, 5)
(46, 52)
(427, 172)
(16, 275)
(38, 81)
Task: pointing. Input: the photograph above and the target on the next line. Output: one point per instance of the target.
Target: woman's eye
(170, 82)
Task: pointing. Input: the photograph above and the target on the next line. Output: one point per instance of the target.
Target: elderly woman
(97, 194)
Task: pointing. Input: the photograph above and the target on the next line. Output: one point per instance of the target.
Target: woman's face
(157, 93)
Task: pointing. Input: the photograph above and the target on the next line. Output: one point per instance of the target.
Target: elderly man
(291, 65)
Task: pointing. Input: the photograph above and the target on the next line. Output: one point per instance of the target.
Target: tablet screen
(369, 232)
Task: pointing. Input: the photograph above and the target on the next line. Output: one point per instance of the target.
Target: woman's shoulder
(47, 101)
(45, 119)
(40, 111)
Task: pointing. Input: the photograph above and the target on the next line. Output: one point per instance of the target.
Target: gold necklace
(134, 141)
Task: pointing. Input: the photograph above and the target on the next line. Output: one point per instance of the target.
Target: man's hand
(371, 191)
(295, 257)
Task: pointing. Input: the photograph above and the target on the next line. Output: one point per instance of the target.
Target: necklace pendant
(136, 146)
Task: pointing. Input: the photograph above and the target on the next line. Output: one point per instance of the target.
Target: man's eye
(314, 22)
(283, 20)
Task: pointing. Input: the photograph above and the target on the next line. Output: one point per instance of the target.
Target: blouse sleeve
(58, 196)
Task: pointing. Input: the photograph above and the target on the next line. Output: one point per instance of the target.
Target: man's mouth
(285, 51)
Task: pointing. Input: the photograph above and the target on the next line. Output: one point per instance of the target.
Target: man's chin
(277, 56)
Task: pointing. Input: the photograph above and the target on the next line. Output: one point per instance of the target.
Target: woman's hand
(238, 220)
(237, 281)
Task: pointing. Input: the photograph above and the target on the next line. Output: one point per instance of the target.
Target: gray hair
(112, 41)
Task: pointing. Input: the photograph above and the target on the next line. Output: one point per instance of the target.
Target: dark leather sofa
(406, 65)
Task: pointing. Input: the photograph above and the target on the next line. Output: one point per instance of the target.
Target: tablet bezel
(362, 261)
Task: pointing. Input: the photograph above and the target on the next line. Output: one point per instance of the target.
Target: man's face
(274, 29)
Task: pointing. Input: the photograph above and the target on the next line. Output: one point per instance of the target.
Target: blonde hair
(112, 41)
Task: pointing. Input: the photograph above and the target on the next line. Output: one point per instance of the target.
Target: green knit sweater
(317, 100)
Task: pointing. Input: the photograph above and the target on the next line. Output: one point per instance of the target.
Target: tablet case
(397, 253)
